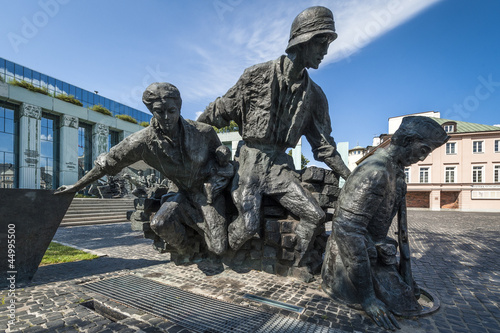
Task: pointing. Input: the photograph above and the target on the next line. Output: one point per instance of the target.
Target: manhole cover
(196, 312)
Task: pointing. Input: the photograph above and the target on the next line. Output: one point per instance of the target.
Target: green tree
(232, 127)
(303, 160)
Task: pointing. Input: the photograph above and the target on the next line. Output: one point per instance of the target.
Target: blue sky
(392, 57)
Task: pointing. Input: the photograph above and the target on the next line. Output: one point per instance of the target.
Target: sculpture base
(28, 221)
(273, 249)
(428, 301)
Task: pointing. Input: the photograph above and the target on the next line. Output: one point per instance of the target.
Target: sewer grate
(196, 312)
(272, 302)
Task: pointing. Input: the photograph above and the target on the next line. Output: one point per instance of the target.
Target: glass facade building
(49, 154)
(10, 71)
(84, 149)
(8, 151)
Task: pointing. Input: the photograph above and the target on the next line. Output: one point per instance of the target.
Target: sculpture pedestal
(28, 221)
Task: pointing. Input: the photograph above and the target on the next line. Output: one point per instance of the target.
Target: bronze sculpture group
(274, 104)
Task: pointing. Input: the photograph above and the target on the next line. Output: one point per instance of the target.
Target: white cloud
(361, 22)
(250, 39)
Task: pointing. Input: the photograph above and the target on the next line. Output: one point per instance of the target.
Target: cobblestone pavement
(455, 256)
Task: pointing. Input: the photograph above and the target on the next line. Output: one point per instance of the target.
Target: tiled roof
(465, 127)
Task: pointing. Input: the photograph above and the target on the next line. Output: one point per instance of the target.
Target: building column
(297, 155)
(99, 140)
(30, 126)
(435, 200)
(69, 150)
(234, 148)
(124, 134)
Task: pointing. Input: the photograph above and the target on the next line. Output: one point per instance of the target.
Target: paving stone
(452, 257)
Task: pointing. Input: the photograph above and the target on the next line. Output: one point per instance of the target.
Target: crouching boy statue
(360, 265)
(184, 151)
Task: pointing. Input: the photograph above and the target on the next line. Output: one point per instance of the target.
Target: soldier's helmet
(311, 22)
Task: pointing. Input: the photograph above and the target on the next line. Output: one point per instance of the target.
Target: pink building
(462, 174)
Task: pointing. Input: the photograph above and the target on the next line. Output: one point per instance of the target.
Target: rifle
(404, 250)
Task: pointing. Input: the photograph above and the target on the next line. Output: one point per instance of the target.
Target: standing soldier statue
(274, 104)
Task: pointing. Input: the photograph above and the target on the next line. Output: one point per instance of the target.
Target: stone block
(269, 252)
(281, 269)
(273, 238)
(246, 246)
(255, 254)
(322, 199)
(274, 211)
(331, 178)
(287, 255)
(239, 257)
(287, 226)
(301, 273)
(331, 190)
(272, 225)
(313, 175)
(288, 240)
(311, 187)
(256, 244)
(269, 268)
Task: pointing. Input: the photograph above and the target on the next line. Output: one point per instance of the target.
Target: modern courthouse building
(46, 142)
(462, 174)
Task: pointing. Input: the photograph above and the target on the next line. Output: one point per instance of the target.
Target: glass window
(44, 81)
(477, 174)
(451, 148)
(78, 94)
(9, 68)
(52, 84)
(113, 139)
(65, 88)
(450, 175)
(72, 90)
(449, 128)
(49, 155)
(85, 97)
(18, 72)
(84, 149)
(497, 146)
(90, 98)
(496, 176)
(28, 75)
(477, 146)
(407, 175)
(8, 170)
(2, 66)
(36, 79)
(424, 174)
(59, 87)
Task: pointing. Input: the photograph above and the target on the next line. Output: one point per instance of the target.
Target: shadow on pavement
(85, 268)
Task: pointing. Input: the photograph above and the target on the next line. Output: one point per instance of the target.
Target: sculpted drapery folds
(360, 265)
(172, 146)
(274, 104)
